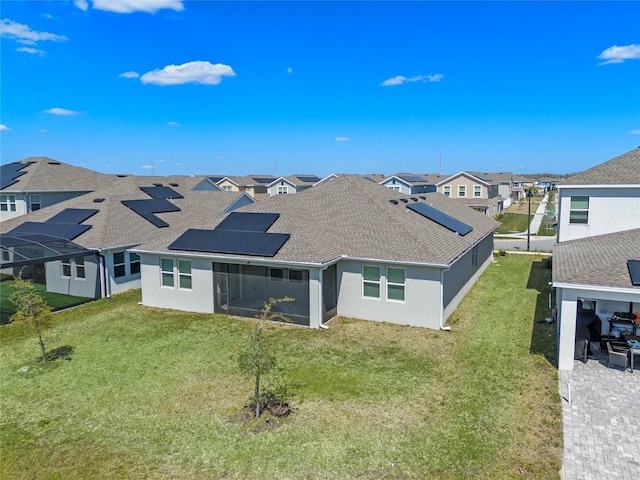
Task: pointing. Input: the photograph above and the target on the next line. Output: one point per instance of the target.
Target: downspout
(442, 327)
(104, 284)
(320, 299)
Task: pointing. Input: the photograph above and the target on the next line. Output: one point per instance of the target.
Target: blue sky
(198, 87)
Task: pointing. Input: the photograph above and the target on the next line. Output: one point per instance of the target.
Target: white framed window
(276, 275)
(370, 281)
(462, 190)
(166, 267)
(66, 267)
(395, 188)
(227, 188)
(446, 190)
(8, 203)
(78, 263)
(184, 274)
(119, 265)
(477, 191)
(134, 263)
(34, 198)
(579, 210)
(297, 277)
(282, 189)
(395, 283)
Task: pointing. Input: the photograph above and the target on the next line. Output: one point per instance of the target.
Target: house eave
(597, 288)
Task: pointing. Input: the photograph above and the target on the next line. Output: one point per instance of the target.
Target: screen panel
(440, 218)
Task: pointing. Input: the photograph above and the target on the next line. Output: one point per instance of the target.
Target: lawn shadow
(60, 353)
(543, 334)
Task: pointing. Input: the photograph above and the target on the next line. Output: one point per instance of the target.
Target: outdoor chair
(617, 358)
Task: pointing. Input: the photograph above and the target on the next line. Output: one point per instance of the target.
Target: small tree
(31, 309)
(256, 360)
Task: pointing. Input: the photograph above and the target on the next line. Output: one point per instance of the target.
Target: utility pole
(440, 164)
(529, 195)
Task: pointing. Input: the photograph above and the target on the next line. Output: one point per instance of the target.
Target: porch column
(315, 297)
(566, 328)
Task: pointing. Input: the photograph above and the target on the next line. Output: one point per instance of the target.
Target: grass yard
(149, 393)
(56, 300)
(513, 223)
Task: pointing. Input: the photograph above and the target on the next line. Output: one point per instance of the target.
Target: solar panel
(68, 231)
(215, 179)
(10, 172)
(248, 222)
(159, 191)
(146, 208)
(412, 178)
(73, 215)
(634, 272)
(309, 178)
(230, 242)
(482, 177)
(440, 218)
(263, 179)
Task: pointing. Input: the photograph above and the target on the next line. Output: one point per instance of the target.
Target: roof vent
(173, 184)
(157, 184)
(415, 199)
(404, 200)
(423, 197)
(395, 202)
(98, 200)
(121, 176)
(53, 163)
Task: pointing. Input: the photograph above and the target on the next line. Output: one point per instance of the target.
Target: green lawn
(513, 223)
(151, 393)
(56, 300)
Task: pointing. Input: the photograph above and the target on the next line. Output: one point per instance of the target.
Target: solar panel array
(241, 233)
(161, 192)
(634, 272)
(412, 178)
(309, 178)
(68, 231)
(147, 207)
(215, 179)
(440, 218)
(10, 172)
(73, 215)
(263, 179)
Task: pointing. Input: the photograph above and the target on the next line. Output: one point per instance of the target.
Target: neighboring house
(408, 183)
(346, 247)
(519, 187)
(502, 180)
(291, 184)
(477, 193)
(108, 223)
(598, 243)
(37, 182)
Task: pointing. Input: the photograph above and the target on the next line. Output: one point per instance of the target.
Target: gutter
(321, 279)
(596, 288)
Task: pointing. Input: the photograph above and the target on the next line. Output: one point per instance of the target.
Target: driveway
(601, 422)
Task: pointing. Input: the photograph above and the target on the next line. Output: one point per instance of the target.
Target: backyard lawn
(149, 393)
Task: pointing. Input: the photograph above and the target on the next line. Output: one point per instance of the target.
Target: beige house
(478, 193)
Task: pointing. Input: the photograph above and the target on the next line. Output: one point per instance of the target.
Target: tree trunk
(44, 356)
(257, 396)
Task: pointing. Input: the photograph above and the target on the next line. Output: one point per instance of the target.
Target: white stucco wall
(422, 295)
(610, 210)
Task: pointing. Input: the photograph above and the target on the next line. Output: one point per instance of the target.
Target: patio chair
(617, 358)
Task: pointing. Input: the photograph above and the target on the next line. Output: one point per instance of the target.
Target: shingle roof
(352, 216)
(117, 225)
(622, 170)
(600, 260)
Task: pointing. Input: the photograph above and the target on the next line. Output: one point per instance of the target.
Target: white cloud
(342, 139)
(24, 34)
(149, 166)
(4, 128)
(191, 72)
(289, 70)
(618, 54)
(61, 111)
(31, 50)
(173, 124)
(130, 6)
(400, 79)
(635, 132)
(129, 75)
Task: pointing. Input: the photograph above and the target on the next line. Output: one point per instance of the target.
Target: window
(184, 273)
(296, 276)
(134, 261)
(66, 267)
(226, 188)
(446, 190)
(395, 188)
(579, 212)
(276, 275)
(79, 267)
(371, 281)
(8, 203)
(395, 284)
(166, 265)
(462, 190)
(119, 266)
(477, 191)
(283, 189)
(35, 202)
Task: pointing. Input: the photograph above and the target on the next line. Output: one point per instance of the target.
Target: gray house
(345, 247)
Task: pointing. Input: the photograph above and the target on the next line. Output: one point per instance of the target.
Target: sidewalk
(536, 222)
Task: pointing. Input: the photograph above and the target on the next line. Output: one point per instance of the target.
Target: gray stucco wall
(80, 287)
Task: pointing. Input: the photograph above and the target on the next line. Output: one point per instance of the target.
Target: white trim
(596, 288)
(603, 186)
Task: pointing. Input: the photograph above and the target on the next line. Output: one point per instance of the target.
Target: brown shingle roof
(600, 260)
(622, 170)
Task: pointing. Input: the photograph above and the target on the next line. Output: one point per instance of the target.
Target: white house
(345, 247)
